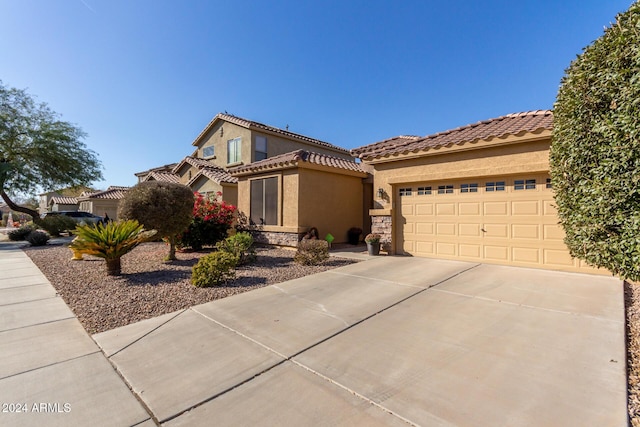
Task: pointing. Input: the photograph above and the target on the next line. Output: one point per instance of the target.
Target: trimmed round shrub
(595, 151)
(312, 252)
(37, 238)
(240, 245)
(56, 224)
(19, 234)
(214, 269)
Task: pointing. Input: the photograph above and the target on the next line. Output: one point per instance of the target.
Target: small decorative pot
(373, 248)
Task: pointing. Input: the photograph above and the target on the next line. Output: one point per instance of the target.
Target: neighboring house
(62, 203)
(478, 193)
(283, 196)
(230, 142)
(101, 202)
(44, 200)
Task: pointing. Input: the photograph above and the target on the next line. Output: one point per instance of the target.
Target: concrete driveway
(389, 341)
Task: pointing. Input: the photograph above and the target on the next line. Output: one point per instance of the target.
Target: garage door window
(405, 191)
(494, 186)
(549, 183)
(469, 188)
(445, 189)
(424, 191)
(525, 184)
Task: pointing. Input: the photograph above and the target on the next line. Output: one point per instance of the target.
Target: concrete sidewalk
(388, 341)
(52, 372)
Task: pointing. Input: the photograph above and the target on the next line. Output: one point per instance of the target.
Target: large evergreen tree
(38, 151)
(595, 152)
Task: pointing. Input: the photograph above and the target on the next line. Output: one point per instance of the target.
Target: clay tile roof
(293, 158)
(215, 174)
(511, 124)
(62, 200)
(165, 168)
(251, 124)
(193, 161)
(163, 176)
(114, 192)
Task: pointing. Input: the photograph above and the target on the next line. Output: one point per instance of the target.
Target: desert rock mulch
(148, 286)
(632, 303)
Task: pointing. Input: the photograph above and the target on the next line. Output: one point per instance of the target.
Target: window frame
(469, 188)
(405, 191)
(524, 184)
(264, 204)
(204, 152)
(237, 150)
(494, 186)
(445, 189)
(425, 191)
(263, 154)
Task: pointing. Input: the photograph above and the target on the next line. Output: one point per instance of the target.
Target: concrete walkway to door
(388, 341)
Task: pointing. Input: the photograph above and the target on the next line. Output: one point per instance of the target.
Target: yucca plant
(110, 241)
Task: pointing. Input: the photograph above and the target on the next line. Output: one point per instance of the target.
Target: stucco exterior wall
(507, 159)
(278, 145)
(330, 202)
(218, 139)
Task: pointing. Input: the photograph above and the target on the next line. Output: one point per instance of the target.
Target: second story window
(261, 148)
(208, 151)
(234, 154)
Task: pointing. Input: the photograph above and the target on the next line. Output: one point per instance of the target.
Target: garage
(481, 193)
(504, 219)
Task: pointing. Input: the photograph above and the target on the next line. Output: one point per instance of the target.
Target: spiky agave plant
(110, 241)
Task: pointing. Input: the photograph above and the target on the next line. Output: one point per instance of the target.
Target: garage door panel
(496, 208)
(469, 230)
(525, 207)
(514, 227)
(525, 231)
(424, 209)
(445, 229)
(445, 209)
(469, 209)
(526, 255)
(425, 228)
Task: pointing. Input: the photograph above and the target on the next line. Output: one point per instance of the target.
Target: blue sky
(144, 77)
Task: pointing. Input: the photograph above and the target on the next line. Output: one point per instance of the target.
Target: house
(285, 195)
(231, 142)
(59, 203)
(101, 202)
(480, 193)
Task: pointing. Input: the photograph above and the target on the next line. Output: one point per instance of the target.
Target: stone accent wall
(277, 238)
(382, 225)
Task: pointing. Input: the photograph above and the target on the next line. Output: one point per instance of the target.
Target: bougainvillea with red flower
(212, 218)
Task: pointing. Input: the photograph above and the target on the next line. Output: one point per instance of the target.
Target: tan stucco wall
(330, 202)
(219, 142)
(205, 185)
(512, 158)
(278, 145)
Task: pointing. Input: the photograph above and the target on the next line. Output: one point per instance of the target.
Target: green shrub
(312, 252)
(37, 238)
(214, 269)
(240, 245)
(55, 224)
(595, 155)
(110, 241)
(19, 234)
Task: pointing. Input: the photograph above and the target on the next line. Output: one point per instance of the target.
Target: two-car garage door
(506, 220)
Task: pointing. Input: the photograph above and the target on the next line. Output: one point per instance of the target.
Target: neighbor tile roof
(293, 158)
(63, 200)
(163, 176)
(114, 192)
(251, 124)
(511, 124)
(215, 174)
(165, 168)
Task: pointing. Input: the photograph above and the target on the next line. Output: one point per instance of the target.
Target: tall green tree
(595, 151)
(38, 151)
(166, 207)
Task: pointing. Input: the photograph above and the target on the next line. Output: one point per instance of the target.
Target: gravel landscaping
(149, 287)
(632, 303)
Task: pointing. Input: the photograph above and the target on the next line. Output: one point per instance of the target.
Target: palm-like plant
(110, 241)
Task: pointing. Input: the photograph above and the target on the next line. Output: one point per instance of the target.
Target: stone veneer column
(382, 225)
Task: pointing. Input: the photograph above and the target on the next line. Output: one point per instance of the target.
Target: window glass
(233, 150)
(494, 186)
(524, 184)
(405, 191)
(261, 148)
(469, 188)
(549, 183)
(264, 201)
(208, 151)
(423, 191)
(445, 189)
